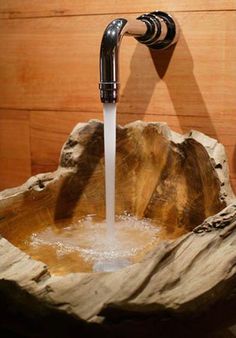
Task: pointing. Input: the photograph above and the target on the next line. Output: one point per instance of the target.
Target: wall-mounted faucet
(157, 30)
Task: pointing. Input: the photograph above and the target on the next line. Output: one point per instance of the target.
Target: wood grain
(161, 176)
(47, 138)
(35, 8)
(15, 163)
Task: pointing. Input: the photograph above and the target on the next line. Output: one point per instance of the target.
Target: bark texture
(185, 286)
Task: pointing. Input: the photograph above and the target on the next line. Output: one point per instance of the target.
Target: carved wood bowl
(178, 182)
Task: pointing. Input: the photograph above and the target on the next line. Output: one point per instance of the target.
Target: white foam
(95, 245)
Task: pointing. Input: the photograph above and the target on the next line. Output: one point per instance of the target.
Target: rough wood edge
(197, 281)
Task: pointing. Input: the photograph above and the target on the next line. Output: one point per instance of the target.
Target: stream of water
(109, 114)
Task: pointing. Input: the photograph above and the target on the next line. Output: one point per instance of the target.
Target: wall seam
(9, 17)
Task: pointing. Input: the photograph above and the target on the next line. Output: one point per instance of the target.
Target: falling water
(109, 116)
(109, 113)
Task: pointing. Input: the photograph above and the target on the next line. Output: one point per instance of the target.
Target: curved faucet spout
(156, 30)
(109, 55)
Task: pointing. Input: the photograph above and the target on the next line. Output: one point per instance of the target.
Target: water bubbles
(89, 242)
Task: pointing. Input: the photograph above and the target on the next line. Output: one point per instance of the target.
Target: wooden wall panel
(36, 8)
(15, 162)
(49, 67)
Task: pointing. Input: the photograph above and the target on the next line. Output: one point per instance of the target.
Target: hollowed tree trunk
(184, 287)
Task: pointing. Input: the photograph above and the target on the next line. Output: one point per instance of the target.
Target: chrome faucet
(157, 30)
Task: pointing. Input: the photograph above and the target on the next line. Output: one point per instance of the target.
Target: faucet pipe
(157, 30)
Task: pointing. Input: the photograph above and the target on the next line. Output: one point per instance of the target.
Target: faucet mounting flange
(162, 30)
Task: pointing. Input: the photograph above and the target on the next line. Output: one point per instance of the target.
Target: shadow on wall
(180, 81)
(175, 67)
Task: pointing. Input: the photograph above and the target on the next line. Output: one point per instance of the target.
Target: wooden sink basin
(177, 183)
